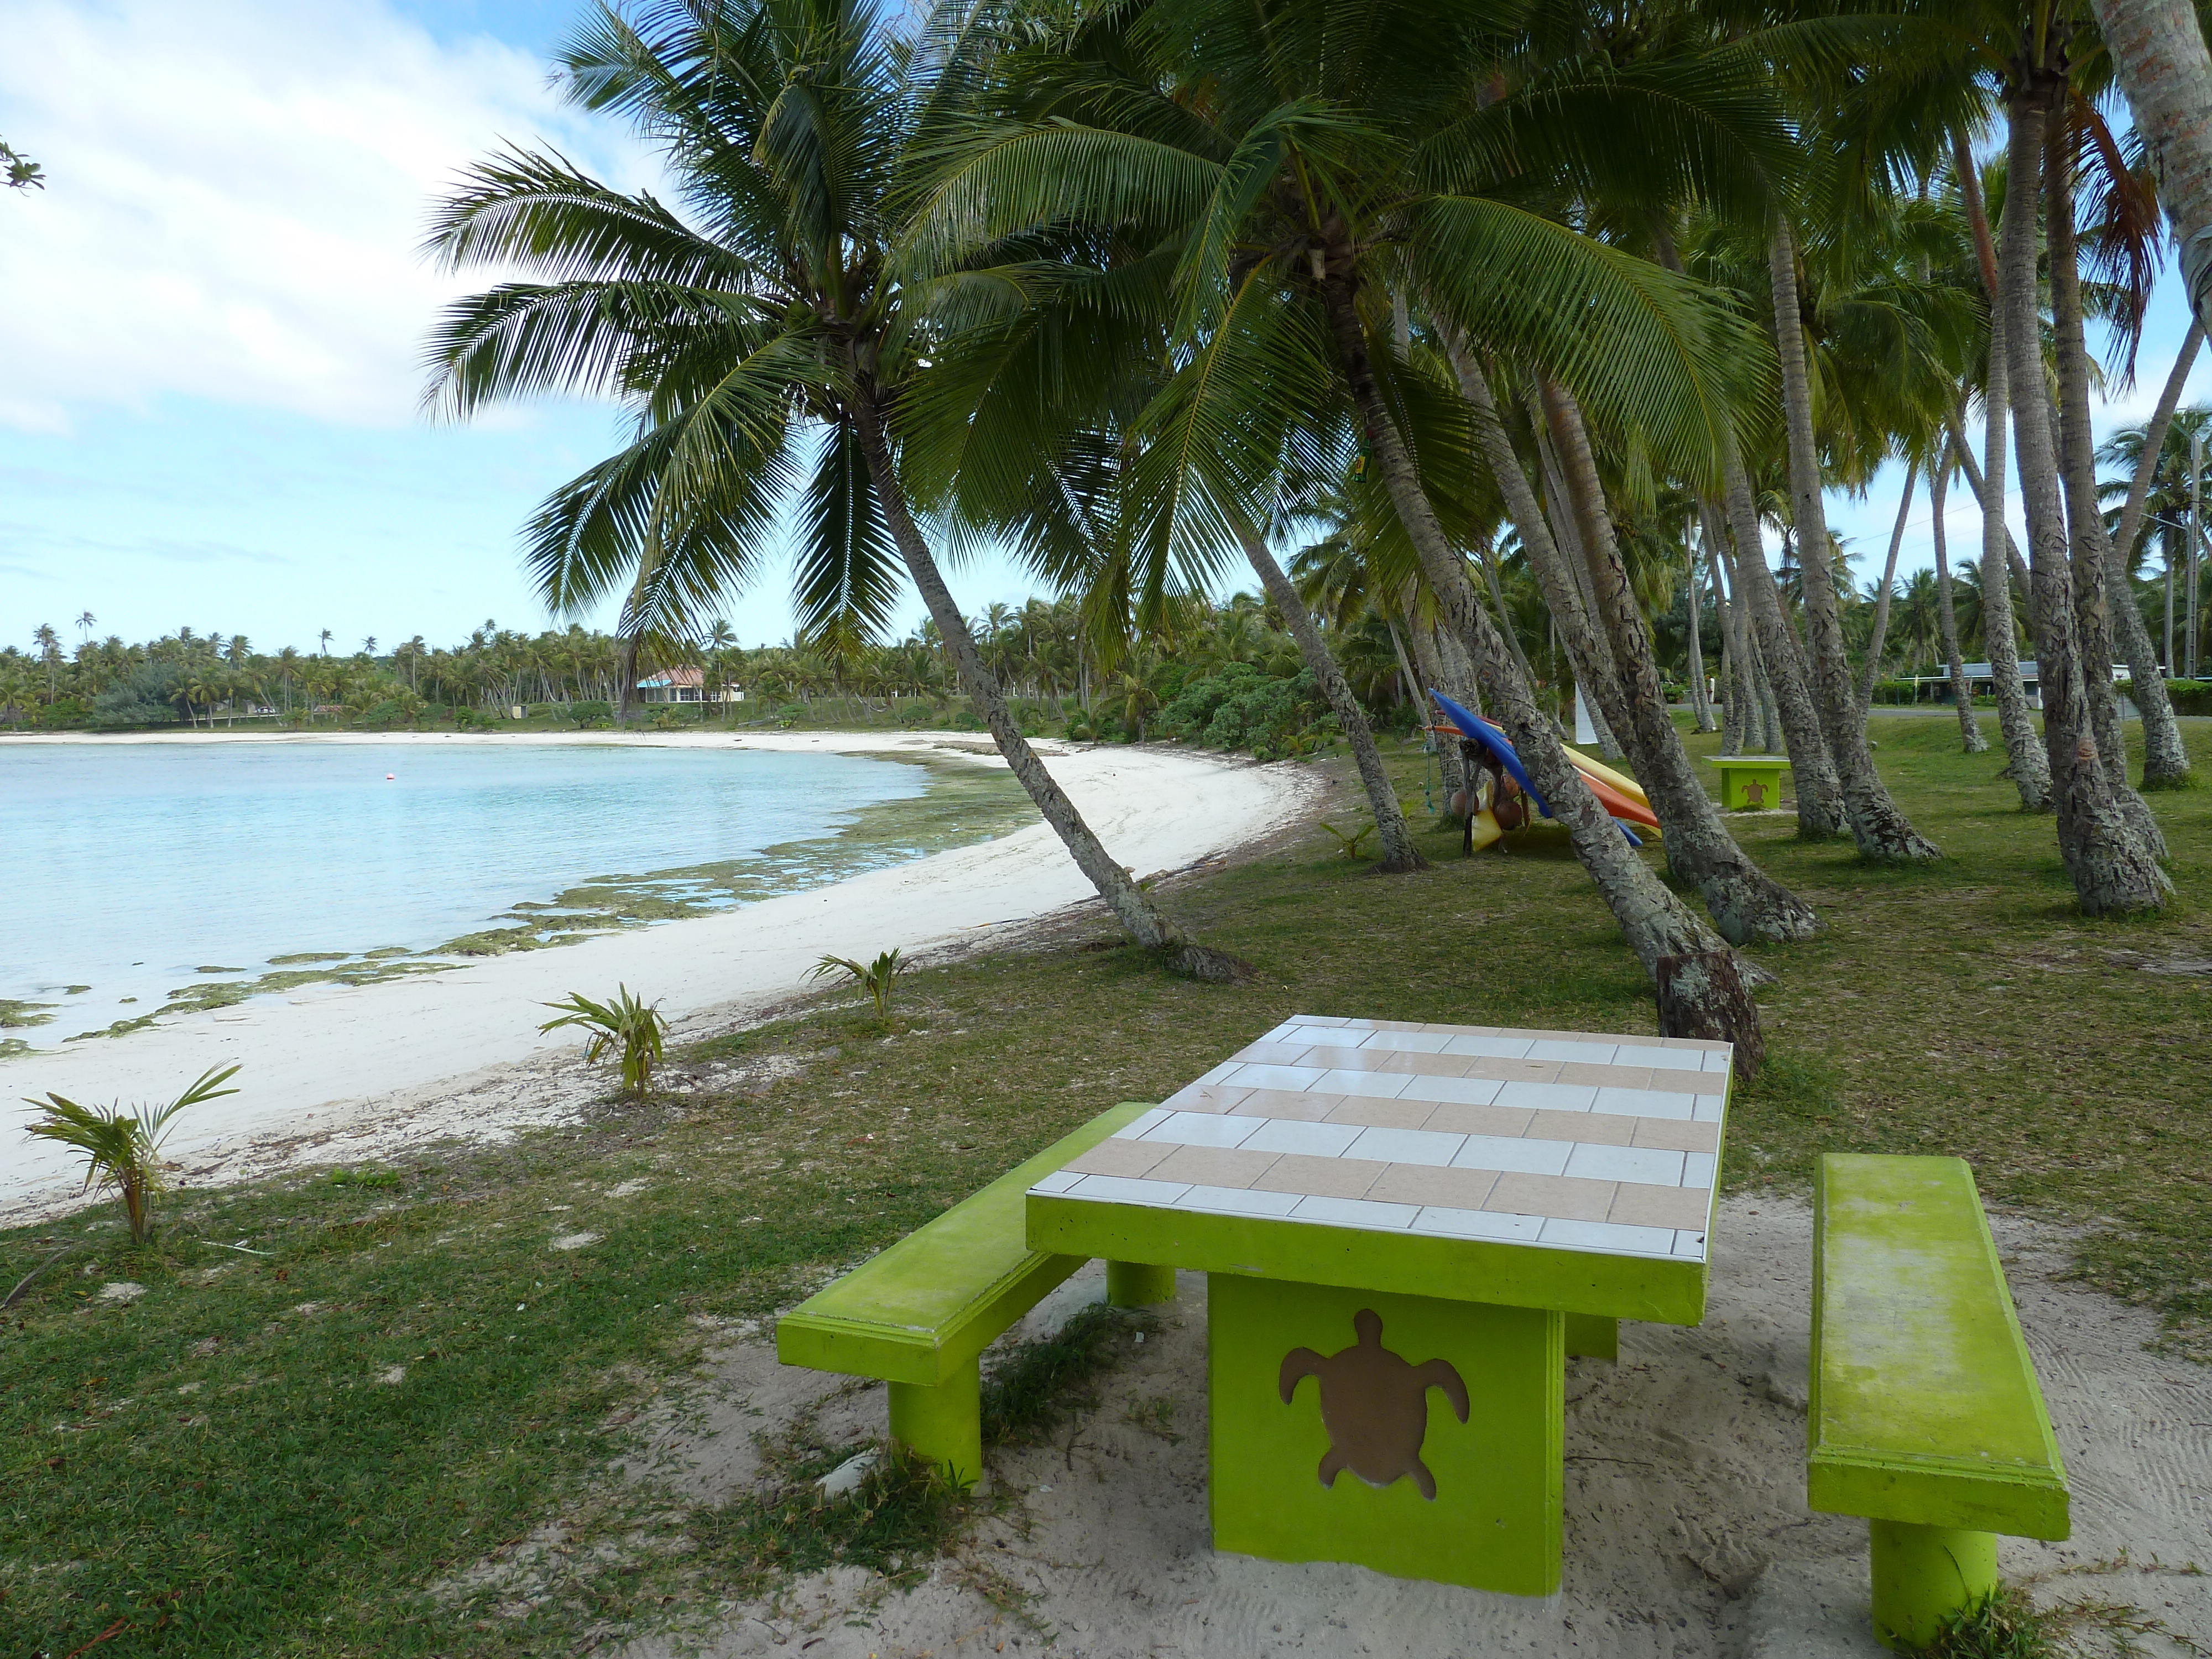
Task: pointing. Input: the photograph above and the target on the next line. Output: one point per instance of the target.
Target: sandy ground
(1687, 1530)
(338, 1072)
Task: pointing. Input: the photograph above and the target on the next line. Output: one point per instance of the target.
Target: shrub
(1241, 707)
(1896, 691)
(873, 977)
(586, 714)
(123, 1150)
(150, 694)
(633, 1030)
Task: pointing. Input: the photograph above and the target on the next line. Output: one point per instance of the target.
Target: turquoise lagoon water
(135, 869)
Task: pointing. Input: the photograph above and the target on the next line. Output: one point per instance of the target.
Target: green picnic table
(1406, 1228)
(1750, 781)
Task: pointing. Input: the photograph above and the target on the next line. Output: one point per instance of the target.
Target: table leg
(1138, 1284)
(945, 1424)
(1923, 1575)
(1369, 1460)
(1593, 1336)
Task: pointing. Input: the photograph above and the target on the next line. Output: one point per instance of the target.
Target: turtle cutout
(1375, 1406)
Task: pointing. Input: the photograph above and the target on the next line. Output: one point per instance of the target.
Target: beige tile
(1319, 1177)
(1563, 1196)
(1608, 1077)
(1513, 1070)
(1350, 1059)
(1599, 1128)
(1423, 1065)
(1420, 1183)
(1212, 1166)
(1660, 1206)
(1208, 1097)
(1396, 1025)
(1677, 1137)
(1383, 1113)
(1271, 1053)
(1462, 1119)
(1118, 1158)
(1288, 1103)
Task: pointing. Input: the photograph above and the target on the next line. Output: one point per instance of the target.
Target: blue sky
(208, 342)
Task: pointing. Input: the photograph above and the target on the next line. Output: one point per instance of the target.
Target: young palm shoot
(123, 1150)
(634, 1030)
(873, 977)
(1350, 843)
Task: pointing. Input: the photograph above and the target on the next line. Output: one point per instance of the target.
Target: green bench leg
(1923, 1575)
(944, 1423)
(1138, 1284)
(1593, 1336)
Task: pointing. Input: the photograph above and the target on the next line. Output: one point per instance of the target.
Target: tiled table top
(1558, 1138)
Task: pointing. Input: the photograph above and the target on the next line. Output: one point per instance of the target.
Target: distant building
(1981, 681)
(685, 685)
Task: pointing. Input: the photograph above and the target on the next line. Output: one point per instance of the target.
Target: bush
(1897, 691)
(584, 713)
(1241, 707)
(150, 694)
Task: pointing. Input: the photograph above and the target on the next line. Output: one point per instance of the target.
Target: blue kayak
(1478, 730)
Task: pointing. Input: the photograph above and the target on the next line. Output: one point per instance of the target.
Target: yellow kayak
(1621, 781)
(1485, 829)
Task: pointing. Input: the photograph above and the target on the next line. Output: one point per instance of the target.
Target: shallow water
(140, 870)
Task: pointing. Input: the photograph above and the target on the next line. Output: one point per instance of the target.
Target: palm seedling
(634, 1030)
(873, 977)
(123, 1149)
(1348, 842)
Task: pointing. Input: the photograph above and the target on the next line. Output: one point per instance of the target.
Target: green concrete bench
(1925, 1415)
(920, 1314)
(1750, 783)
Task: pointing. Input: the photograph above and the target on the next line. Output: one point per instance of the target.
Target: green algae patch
(11, 1046)
(16, 1013)
(121, 1028)
(203, 969)
(308, 956)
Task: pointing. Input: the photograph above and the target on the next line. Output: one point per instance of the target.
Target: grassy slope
(218, 1467)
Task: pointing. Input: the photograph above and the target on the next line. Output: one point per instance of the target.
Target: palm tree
(86, 621)
(766, 343)
(324, 636)
(2158, 53)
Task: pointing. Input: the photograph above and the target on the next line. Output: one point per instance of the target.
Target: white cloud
(236, 193)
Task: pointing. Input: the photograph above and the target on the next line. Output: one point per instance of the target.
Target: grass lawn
(338, 1395)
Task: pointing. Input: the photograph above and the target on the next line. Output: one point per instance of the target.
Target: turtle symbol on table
(1754, 793)
(1375, 1406)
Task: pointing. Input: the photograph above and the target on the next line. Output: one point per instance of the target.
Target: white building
(685, 685)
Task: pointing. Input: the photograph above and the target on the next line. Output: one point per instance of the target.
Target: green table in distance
(1397, 1222)
(1750, 781)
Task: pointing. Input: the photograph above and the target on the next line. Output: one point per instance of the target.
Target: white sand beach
(335, 1072)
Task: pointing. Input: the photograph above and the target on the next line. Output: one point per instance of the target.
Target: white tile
(1205, 1098)
(1646, 1103)
(1121, 1189)
(1312, 1140)
(1519, 1157)
(1284, 1033)
(1648, 1165)
(1612, 1236)
(1236, 1200)
(1457, 1090)
(1584, 1054)
(1309, 1036)
(1708, 1109)
(1203, 1129)
(1552, 1096)
(1690, 1244)
(1489, 1046)
(1331, 1020)
(1220, 1073)
(1408, 1043)
(1406, 1146)
(1673, 1058)
(1135, 1128)
(1058, 1181)
(1372, 1085)
(1698, 1168)
(1356, 1212)
(1292, 1078)
(1716, 1059)
(1478, 1223)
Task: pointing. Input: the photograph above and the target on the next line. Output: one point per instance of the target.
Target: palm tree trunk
(626, 680)
(2158, 53)
(2025, 761)
(1971, 470)
(2112, 870)
(2091, 553)
(1962, 696)
(1879, 828)
(1656, 924)
(2166, 759)
(1430, 669)
(1778, 671)
(1596, 675)
(1131, 906)
(1880, 636)
(1701, 702)
(1398, 853)
(1736, 678)
(1744, 900)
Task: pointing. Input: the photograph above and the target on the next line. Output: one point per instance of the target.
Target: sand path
(356, 1071)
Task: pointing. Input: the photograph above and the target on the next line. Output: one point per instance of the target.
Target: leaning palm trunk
(2091, 553)
(1568, 585)
(1879, 828)
(1879, 639)
(1785, 694)
(2166, 759)
(1398, 853)
(1738, 710)
(1701, 702)
(1946, 616)
(1658, 926)
(1429, 667)
(2159, 54)
(1116, 887)
(2112, 869)
(1744, 900)
(1970, 471)
(2025, 761)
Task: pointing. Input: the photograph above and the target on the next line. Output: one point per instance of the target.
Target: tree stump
(1704, 996)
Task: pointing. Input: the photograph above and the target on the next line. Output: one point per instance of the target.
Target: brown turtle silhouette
(1375, 1406)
